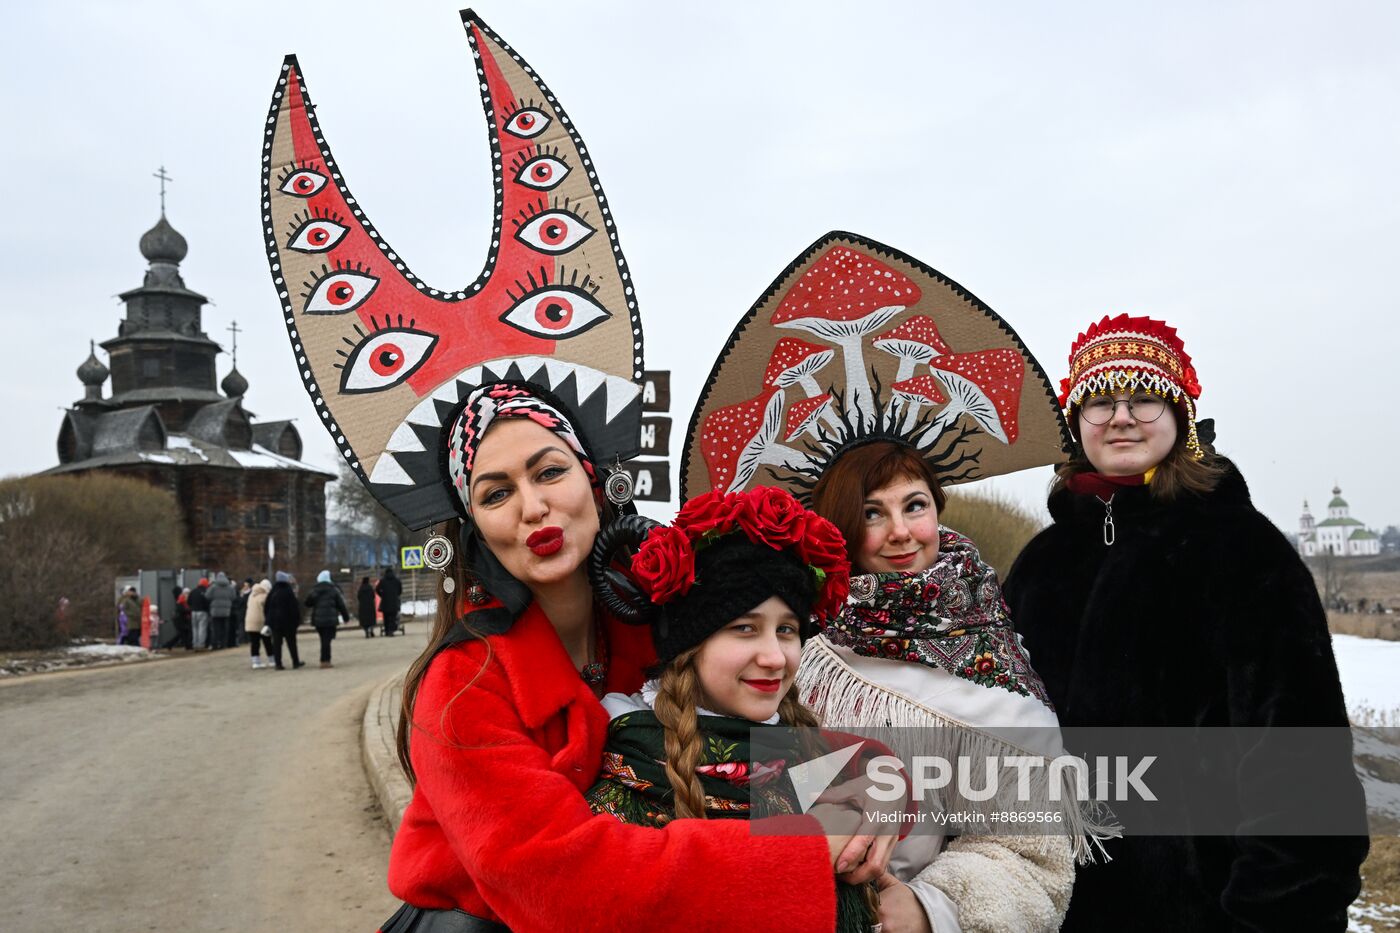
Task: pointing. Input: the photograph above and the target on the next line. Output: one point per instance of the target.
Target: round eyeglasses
(1143, 407)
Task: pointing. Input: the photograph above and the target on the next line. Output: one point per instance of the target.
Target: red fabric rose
(821, 544)
(713, 512)
(774, 517)
(832, 599)
(665, 564)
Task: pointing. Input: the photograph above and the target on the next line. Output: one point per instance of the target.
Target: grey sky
(1228, 167)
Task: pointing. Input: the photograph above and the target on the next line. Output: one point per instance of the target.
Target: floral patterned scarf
(951, 616)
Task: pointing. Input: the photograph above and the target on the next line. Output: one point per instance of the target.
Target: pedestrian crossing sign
(411, 558)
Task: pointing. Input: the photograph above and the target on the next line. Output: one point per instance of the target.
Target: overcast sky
(1231, 168)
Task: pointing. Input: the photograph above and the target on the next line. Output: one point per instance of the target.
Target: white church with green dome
(1338, 533)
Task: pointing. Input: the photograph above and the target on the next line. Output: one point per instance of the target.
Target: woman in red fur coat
(502, 730)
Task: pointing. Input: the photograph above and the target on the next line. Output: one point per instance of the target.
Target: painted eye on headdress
(555, 312)
(554, 231)
(302, 183)
(527, 123)
(542, 172)
(386, 358)
(316, 236)
(339, 292)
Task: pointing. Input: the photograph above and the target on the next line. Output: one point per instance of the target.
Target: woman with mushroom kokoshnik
(925, 644)
(1159, 596)
(503, 730)
(932, 388)
(731, 586)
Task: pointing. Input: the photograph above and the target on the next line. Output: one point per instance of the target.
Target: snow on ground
(108, 651)
(1369, 669)
(428, 607)
(1360, 916)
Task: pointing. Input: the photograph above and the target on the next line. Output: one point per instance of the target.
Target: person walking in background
(254, 620)
(365, 597)
(129, 617)
(184, 630)
(327, 611)
(283, 615)
(240, 611)
(390, 588)
(199, 614)
(221, 596)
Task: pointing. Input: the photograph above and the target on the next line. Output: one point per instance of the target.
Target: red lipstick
(767, 686)
(546, 541)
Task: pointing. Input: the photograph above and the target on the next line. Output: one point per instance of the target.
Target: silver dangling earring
(437, 554)
(618, 486)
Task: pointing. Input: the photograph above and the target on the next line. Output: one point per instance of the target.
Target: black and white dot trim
(469, 19)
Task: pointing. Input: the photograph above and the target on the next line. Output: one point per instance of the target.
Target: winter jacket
(199, 599)
(281, 610)
(1200, 614)
(221, 595)
(327, 605)
(507, 737)
(365, 596)
(131, 605)
(389, 589)
(254, 618)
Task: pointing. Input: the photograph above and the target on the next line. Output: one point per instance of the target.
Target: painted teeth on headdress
(557, 371)
(588, 381)
(424, 413)
(621, 392)
(447, 392)
(404, 440)
(529, 366)
(388, 472)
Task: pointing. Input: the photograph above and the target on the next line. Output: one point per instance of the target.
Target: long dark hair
(447, 617)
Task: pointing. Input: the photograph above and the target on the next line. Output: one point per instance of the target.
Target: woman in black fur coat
(1160, 596)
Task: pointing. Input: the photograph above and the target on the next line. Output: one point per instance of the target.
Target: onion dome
(93, 373)
(163, 243)
(234, 385)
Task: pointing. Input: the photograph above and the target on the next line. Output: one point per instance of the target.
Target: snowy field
(1370, 669)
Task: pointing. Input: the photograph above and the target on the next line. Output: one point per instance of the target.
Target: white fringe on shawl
(842, 698)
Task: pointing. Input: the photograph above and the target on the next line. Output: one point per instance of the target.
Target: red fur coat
(506, 742)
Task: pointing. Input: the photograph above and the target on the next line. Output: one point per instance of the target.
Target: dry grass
(1380, 887)
(998, 524)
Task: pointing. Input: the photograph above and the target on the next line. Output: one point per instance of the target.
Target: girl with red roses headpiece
(732, 586)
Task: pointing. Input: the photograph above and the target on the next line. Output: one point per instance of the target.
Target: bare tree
(63, 541)
(1334, 574)
(355, 506)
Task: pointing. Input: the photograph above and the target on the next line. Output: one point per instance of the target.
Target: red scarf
(1097, 484)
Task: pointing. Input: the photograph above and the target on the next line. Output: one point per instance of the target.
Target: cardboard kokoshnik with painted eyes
(857, 342)
(388, 360)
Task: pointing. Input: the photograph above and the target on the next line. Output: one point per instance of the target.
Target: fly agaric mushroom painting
(856, 341)
(387, 359)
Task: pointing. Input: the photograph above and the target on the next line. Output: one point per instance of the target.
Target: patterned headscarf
(503, 400)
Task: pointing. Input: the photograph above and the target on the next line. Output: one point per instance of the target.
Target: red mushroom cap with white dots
(922, 389)
(998, 373)
(801, 415)
(919, 330)
(794, 358)
(727, 431)
(844, 286)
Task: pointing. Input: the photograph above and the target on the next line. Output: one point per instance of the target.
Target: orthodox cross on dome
(163, 179)
(235, 330)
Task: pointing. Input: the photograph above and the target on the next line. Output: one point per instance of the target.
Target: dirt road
(195, 794)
